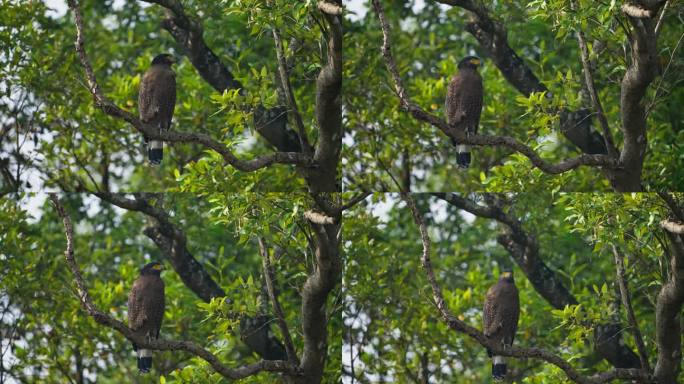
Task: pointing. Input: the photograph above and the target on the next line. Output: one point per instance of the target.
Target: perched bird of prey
(156, 101)
(500, 317)
(464, 104)
(146, 309)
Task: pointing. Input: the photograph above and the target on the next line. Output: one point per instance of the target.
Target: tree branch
(639, 75)
(328, 111)
(325, 276)
(162, 345)
(674, 227)
(669, 314)
(172, 136)
(477, 140)
(289, 346)
(627, 303)
(522, 353)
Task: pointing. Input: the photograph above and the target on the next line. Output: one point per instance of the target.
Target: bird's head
(472, 62)
(153, 268)
(164, 59)
(506, 276)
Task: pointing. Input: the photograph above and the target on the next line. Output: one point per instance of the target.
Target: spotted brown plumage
(146, 310)
(157, 100)
(500, 318)
(464, 104)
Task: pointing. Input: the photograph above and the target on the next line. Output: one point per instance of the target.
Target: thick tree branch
(113, 110)
(330, 8)
(328, 111)
(163, 345)
(639, 75)
(522, 353)
(672, 226)
(270, 286)
(637, 12)
(669, 315)
(477, 140)
(323, 279)
(627, 303)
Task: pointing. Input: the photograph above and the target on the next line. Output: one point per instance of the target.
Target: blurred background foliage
(47, 336)
(394, 331)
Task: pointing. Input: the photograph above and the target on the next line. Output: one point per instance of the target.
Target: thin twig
(289, 95)
(159, 344)
(289, 346)
(627, 303)
(660, 19)
(591, 87)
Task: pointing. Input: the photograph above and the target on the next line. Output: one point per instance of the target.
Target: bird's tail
(498, 367)
(144, 360)
(463, 156)
(155, 151)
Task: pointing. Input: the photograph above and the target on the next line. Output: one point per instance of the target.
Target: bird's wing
(472, 101)
(454, 100)
(165, 96)
(155, 304)
(146, 108)
(136, 313)
(490, 313)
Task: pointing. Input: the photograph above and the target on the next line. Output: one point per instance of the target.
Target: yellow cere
(157, 267)
(506, 274)
(475, 61)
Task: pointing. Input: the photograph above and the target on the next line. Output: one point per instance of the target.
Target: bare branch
(318, 218)
(330, 8)
(477, 140)
(673, 227)
(289, 346)
(162, 345)
(172, 136)
(634, 11)
(289, 95)
(522, 353)
(627, 303)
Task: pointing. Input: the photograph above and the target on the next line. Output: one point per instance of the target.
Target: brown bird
(500, 318)
(146, 310)
(157, 100)
(464, 104)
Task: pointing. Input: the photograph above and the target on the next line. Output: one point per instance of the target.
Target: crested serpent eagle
(157, 100)
(464, 104)
(146, 310)
(500, 318)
